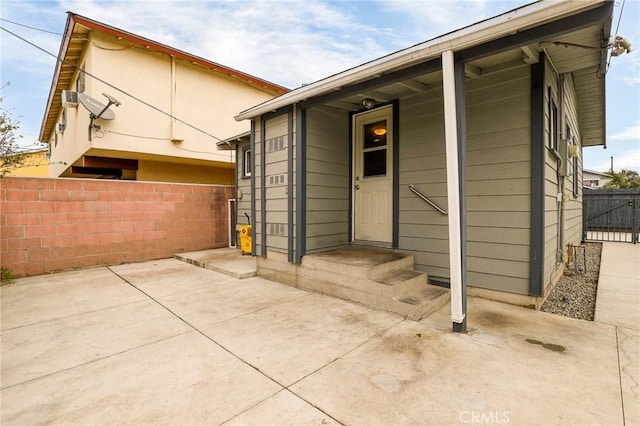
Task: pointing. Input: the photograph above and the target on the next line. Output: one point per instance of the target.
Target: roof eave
(68, 31)
(525, 17)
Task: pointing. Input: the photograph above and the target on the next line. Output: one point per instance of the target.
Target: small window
(375, 149)
(553, 123)
(80, 80)
(246, 162)
(576, 176)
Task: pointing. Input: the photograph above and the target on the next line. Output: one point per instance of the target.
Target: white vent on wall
(69, 99)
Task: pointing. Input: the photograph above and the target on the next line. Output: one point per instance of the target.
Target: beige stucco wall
(205, 99)
(36, 164)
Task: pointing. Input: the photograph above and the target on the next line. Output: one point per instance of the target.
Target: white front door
(373, 176)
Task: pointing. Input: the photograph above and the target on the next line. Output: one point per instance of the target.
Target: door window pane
(375, 163)
(375, 134)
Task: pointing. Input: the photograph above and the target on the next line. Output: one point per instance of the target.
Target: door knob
(357, 187)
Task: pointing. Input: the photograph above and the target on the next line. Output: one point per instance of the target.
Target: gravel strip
(575, 293)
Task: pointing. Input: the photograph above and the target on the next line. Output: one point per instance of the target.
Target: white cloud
(288, 42)
(600, 160)
(432, 18)
(629, 133)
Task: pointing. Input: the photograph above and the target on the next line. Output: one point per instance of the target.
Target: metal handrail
(431, 203)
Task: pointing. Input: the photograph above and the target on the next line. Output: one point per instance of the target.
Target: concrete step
(405, 282)
(338, 278)
(426, 301)
(373, 277)
(358, 262)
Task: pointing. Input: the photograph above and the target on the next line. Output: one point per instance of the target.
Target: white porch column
(454, 139)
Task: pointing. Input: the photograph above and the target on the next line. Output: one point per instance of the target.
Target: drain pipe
(561, 176)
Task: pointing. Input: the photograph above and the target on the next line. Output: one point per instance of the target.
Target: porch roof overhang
(574, 35)
(231, 143)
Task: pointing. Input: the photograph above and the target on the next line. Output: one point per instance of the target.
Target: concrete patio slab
(47, 347)
(618, 298)
(103, 352)
(226, 300)
(620, 259)
(618, 302)
(629, 358)
(183, 380)
(168, 276)
(292, 340)
(515, 366)
(282, 409)
(63, 294)
(228, 261)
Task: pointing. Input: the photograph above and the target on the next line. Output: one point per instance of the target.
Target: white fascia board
(499, 26)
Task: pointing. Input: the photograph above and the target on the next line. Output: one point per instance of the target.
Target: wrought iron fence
(611, 215)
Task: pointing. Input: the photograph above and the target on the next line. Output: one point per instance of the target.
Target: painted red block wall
(48, 225)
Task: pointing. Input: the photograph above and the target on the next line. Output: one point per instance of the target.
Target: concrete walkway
(618, 304)
(166, 342)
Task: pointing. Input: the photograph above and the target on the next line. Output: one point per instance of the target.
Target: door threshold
(379, 244)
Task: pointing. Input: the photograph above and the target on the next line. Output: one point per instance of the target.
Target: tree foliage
(10, 155)
(623, 179)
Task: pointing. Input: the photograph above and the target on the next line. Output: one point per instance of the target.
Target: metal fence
(611, 215)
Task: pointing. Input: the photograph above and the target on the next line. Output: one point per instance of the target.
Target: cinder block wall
(55, 224)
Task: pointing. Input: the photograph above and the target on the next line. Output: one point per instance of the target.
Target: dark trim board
(301, 183)
(252, 145)
(350, 208)
(290, 248)
(396, 173)
(536, 254)
(235, 196)
(263, 187)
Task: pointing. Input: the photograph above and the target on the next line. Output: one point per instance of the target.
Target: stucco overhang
(72, 48)
(573, 34)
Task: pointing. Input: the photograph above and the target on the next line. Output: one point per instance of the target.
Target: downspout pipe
(561, 176)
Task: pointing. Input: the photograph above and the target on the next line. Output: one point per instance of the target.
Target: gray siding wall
(243, 187)
(573, 206)
(258, 238)
(328, 178)
(571, 221)
(422, 230)
(498, 183)
(551, 188)
(498, 180)
(276, 174)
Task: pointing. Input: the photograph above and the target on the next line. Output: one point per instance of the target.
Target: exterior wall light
(368, 103)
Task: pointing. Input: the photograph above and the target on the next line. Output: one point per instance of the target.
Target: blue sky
(290, 43)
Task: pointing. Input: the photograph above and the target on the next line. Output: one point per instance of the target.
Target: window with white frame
(553, 122)
(246, 162)
(576, 170)
(80, 80)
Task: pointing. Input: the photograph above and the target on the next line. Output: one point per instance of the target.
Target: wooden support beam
(109, 163)
(413, 85)
(529, 55)
(472, 72)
